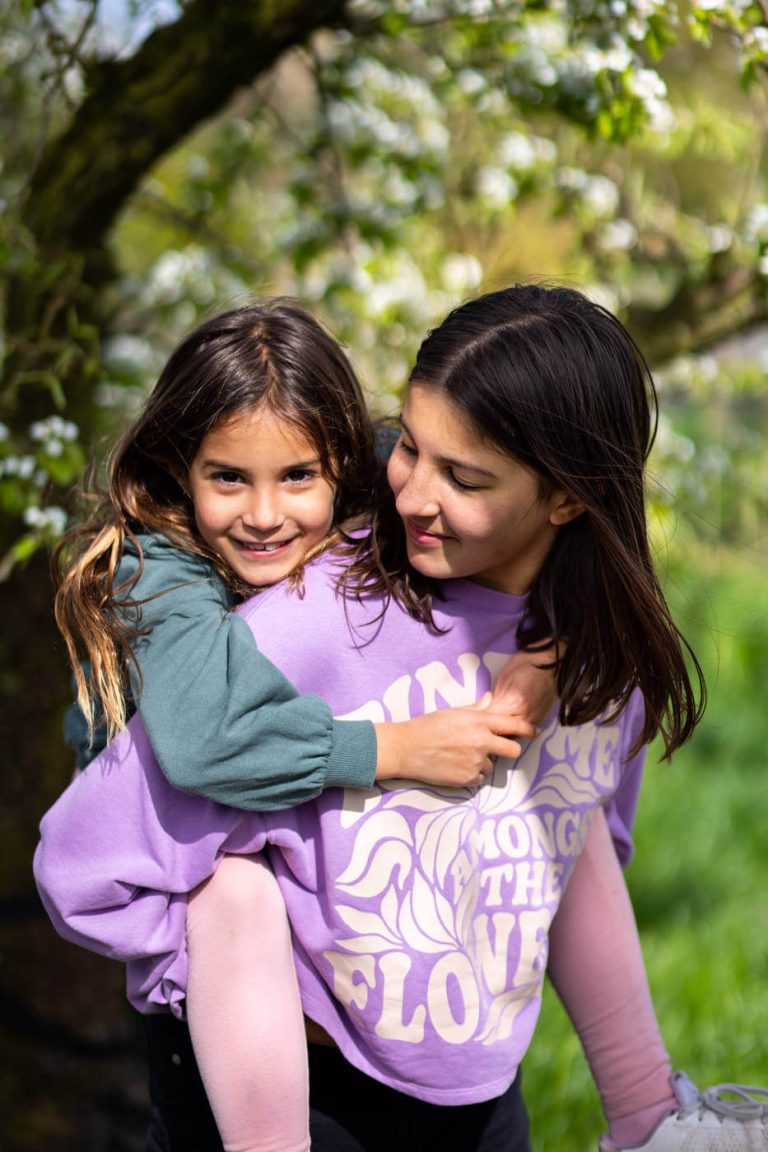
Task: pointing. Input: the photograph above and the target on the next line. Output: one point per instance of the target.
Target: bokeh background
(381, 162)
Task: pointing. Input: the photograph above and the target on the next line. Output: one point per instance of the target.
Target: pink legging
(246, 1022)
(244, 1009)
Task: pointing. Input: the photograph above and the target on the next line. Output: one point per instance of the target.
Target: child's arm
(596, 966)
(225, 723)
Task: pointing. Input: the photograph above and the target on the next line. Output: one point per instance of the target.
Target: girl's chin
(261, 574)
(428, 564)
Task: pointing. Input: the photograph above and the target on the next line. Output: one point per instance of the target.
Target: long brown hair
(271, 353)
(555, 381)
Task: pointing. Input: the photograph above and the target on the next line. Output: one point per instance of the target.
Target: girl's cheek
(395, 477)
(327, 511)
(480, 525)
(198, 511)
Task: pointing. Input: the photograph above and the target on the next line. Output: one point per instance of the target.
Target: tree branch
(135, 111)
(138, 108)
(732, 299)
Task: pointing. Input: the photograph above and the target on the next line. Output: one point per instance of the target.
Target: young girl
(379, 887)
(253, 449)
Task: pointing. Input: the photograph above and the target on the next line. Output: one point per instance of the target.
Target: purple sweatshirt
(420, 914)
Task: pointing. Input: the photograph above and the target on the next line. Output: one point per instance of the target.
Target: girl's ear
(564, 508)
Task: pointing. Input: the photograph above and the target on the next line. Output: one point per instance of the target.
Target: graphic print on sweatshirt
(444, 899)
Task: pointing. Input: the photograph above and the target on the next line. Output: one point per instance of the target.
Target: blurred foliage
(398, 159)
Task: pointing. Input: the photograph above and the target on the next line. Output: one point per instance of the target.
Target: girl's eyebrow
(228, 466)
(452, 462)
(209, 462)
(315, 461)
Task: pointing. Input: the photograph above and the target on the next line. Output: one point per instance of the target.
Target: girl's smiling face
(469, 510)
(261, 500)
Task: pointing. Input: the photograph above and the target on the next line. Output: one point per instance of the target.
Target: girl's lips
(422, 536)
(263, 548)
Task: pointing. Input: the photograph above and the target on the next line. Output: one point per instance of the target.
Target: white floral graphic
(452, 891)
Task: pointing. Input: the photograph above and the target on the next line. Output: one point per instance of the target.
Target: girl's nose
(416, 497)
(264, 512)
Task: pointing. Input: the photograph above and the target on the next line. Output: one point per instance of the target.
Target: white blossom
(601, 195)
(707, 369)
(496, 186)
(757, 39)
(517, 150)
(407, 285)
(127, 349)
(618, 234)
(461, 272)
(198, 167)
(54, 428)
(52, 519)
(471, 81)
(603, 295)
(571, 179)
(648, 85)
(717, 5)
(549, 34)
(756, 227)
(398, 190)
(21, 466)
(720, 238)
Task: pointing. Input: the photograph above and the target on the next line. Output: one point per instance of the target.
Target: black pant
(349, 1112)
(180, 1119)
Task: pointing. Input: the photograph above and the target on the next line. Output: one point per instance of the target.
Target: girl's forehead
(256, 428)
(427, 404)
(430, 412)
(263, 418)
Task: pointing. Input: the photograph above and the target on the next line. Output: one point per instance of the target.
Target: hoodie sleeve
(120, 850)
(223, 721)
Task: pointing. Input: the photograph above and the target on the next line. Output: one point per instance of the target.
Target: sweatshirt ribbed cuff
(352, 761)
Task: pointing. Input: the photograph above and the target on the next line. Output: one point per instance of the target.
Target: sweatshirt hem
(446, 1097)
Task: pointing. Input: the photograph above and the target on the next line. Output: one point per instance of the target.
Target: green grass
(700, 876)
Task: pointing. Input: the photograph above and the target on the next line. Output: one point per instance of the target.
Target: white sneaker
(726, 1118)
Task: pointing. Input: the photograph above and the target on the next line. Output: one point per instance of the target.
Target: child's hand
(526, 690)
(453, 747)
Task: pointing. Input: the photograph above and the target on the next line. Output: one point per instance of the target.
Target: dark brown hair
(271, 353)
(555, 381)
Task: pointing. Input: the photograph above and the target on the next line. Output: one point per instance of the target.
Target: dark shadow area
(73, 1070)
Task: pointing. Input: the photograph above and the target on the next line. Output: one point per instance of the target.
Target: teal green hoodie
(223, 721)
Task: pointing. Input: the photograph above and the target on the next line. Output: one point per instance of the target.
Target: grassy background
(699, 879)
